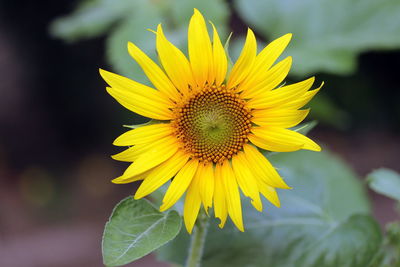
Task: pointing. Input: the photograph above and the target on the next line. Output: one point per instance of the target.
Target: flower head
(210, 124)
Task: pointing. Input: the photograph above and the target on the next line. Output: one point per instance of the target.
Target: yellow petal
(271, 52)
(179, 184)
(149, 106)
(232, 195)
(301, 101)
(245, 61)
(131, 154)
(153, 157)
(158, 78)
(246, 180)
(125, 84)
(174, 62)
(220, 61)
(264, 61)
(270, 193)
(206, 184)
(280, 95)
(273, 145)
(262, 168)
(123, 180)
(266, 80)
(144, 134)
(200, 51)
(279, 139)
(283, 118)
(192, 205)
(220, 206)
(161, 174)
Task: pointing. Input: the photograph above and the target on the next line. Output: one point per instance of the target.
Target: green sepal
(134, 126)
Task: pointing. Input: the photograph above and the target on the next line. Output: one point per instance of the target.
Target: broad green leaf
(135, 229)
(389, 254)
(216, 11)
(133, 29)
(386, 182)
(323, 221)
(327, 35)
(92, 18)
(127, 20)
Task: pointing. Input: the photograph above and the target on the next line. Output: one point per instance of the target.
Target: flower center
(213, 124)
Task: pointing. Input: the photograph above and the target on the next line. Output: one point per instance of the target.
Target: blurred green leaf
(127, 20)
(323, 221)
(135, 229)
(391, 245)
(325, 110)
(216, 11)
(92, 18)
(327, 35)
(389, 254)
(386, 182)
(133, 29)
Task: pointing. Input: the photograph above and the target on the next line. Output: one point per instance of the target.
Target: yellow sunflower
(208, 123)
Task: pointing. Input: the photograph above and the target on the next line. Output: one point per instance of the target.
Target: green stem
(198, 239)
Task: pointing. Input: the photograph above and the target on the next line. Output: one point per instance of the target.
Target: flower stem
(197, 241)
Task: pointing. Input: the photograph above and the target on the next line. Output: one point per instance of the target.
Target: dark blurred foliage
(63, 109)
(56, 128)
(371, 95)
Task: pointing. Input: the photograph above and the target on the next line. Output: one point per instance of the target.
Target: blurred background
(57, 122)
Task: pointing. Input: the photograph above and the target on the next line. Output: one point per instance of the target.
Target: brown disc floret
(213, 124)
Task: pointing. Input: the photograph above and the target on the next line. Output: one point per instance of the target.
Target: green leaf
(216, 11)
(125, 21)
(327, 35)
(326, 111)
(135, 229)
(389, 254)
(323, 221)
(92, 18)
(386, 182)
(133, 29)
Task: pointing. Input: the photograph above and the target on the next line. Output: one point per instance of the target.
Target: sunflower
(209, 124)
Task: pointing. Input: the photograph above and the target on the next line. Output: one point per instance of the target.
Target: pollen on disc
(213, 124)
